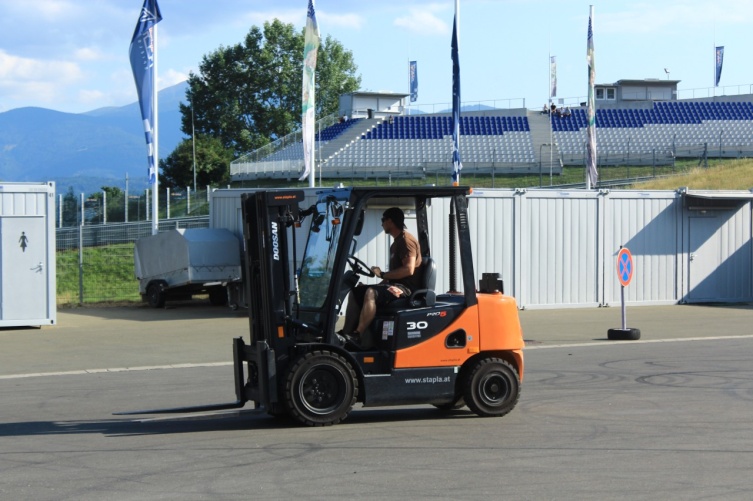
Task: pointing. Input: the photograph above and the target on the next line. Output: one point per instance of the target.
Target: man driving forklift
(401, 279)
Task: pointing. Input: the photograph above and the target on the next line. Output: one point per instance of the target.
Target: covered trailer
(180, 263)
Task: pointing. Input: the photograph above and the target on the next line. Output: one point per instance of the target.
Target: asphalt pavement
(666, 417)
(136, 336)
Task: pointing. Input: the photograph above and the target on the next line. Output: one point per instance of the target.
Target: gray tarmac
(666, 417)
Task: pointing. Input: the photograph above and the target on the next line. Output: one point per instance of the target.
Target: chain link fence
(95, 262)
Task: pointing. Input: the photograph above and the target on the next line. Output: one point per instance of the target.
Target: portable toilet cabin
(27, 254)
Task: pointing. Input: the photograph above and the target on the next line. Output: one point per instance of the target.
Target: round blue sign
(624, 266)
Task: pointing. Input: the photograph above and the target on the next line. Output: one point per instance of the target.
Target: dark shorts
(383, 296)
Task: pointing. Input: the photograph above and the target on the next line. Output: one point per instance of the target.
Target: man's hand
(377, 271)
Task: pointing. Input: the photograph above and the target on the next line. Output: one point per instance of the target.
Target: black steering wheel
(359, 267)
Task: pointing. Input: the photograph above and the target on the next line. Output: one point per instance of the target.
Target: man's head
(396, 216)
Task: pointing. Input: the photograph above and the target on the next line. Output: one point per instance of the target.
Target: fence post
(167, 202)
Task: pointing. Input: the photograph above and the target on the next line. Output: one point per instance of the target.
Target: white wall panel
(559, 249)
(649, 224)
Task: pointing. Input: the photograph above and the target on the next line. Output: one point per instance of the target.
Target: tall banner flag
(591, 174)
(143, 55)
(308, 116)
(719, 59)
(457, 166)
(143, 60)
(553, 76)
(413, 81)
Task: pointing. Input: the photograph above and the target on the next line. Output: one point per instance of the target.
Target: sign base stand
(625, 274)
(629, 334)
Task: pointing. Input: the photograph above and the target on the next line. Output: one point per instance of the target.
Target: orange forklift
(446, 349)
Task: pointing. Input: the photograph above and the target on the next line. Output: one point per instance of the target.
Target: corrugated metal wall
(649, 224)
(557, 249)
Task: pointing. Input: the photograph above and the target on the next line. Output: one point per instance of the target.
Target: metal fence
(73, 210)
(95, 262)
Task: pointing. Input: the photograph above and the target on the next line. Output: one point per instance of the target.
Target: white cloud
(171, 77)
(20, 70)
(673, 16)
(89, 54)
(354, 21)
(91, 96)
(424, 21)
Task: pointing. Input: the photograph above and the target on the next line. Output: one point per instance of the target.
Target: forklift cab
(336, 229)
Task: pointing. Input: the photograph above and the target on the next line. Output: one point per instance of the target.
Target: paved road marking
(640, 341)
(222, 364)
(115, 369)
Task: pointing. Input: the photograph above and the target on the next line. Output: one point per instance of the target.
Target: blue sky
(72, 56)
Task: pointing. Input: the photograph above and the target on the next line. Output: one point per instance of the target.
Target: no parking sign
(624, 274)
(624, 266)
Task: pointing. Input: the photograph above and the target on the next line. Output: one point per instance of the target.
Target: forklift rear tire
(155, 295)
(492, 387)
(321, 388)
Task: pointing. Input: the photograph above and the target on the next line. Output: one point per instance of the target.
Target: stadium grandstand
(376, 135)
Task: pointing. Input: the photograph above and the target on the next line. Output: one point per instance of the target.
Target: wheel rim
(495, 389)
(322, 389)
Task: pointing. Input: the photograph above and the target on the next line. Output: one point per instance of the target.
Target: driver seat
(424, 296)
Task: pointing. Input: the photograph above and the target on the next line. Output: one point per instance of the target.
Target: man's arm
(406, 270)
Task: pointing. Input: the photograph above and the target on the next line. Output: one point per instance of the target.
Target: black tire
(459, 403)
(492, 387)
(320, 389)
(217, 295)
(629, 334)
(155, 295)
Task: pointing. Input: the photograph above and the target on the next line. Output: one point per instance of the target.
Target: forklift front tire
(492, 387)
(321, 388)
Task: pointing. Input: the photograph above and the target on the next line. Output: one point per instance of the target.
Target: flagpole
(155, 104)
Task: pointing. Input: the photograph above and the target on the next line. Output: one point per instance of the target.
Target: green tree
(212, 164)
(70, 208)
(249, 94)
(115, 203)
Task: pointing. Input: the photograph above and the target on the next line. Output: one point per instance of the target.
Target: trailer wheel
(155, 295)
(492, 387)
(217, 295)
(321, 388)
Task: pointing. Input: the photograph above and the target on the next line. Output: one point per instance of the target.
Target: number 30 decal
(417, 325)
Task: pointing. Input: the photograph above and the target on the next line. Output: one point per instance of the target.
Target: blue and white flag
(719, 60)
(413, 81)
(457, 165)
(553, 76)
(308, 114)
(591, 173)
(142, 53)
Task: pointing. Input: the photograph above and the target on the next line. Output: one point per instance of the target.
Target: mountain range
(85, 151)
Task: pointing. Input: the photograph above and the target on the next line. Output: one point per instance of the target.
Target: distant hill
(88, 150)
